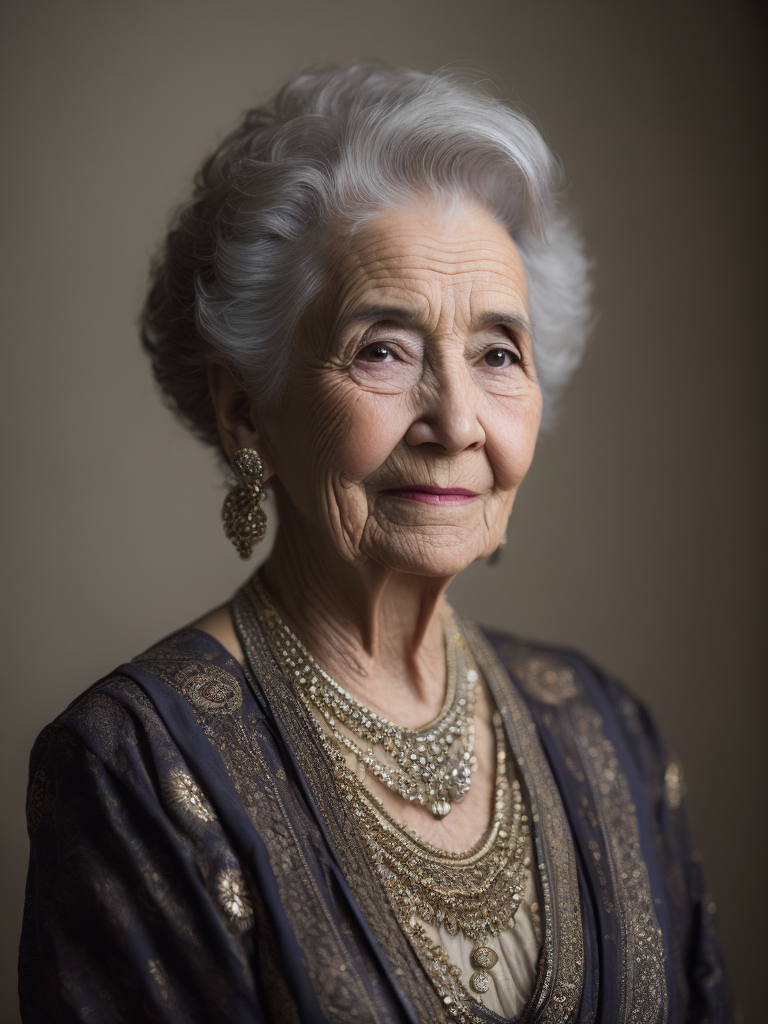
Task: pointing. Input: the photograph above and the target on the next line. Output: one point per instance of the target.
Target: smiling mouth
(434, 495)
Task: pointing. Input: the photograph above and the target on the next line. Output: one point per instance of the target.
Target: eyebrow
(374, 313)
(409, 317)
(517, 323)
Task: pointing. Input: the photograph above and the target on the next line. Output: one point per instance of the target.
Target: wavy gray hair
(245, 257)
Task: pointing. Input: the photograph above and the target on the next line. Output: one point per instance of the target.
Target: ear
(235, 413)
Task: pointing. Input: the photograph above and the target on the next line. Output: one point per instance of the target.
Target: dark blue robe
(191, 860)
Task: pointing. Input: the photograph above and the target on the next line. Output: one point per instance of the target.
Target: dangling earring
(495, 558)
(244, 521)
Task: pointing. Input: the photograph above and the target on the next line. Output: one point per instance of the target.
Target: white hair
(246, 257)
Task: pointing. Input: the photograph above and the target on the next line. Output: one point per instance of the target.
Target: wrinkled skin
(418, 372)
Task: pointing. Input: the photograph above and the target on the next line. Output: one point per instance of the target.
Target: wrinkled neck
(379, 633)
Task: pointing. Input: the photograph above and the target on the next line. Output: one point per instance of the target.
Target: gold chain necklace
(431, 766)
(477, 892)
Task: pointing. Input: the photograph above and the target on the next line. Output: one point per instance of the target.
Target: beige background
(637, 537)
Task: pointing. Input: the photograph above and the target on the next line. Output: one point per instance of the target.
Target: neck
(379, 633)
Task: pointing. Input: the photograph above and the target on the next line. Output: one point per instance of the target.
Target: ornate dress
(198, 854)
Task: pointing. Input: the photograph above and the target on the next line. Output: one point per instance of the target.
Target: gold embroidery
(349, 850)
(334, 974)
(674, 784)
(608, 811)
(214, 691)
(37, 800)
(160, 978)
(184, 793)
(542, 675)
(558, 990)
(644, 991)
(561, 968)
(234, 898)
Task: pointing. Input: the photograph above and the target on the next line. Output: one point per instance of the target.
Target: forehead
(430, 258)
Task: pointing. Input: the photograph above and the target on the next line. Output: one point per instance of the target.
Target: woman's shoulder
(554, 673)
(119, 707)
(561, 682)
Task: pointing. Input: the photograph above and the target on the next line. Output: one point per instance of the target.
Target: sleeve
(136, 907)
(702, 995)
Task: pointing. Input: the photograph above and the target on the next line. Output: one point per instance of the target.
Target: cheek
(511, 441)
(345, 433)
(374, 426)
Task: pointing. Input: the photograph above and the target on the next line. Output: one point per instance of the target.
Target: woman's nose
(448, 417)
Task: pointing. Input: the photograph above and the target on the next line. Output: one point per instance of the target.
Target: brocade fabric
(190, 862)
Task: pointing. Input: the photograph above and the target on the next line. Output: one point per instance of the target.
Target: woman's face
(410, 414)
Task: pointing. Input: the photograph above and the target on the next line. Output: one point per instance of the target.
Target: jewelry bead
(484, 958)
(480, 981)
(435, 781)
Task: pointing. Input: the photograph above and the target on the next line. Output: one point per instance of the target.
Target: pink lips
(434, 495)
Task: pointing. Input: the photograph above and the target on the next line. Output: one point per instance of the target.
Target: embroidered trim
(342, 995)
(558, 994)
(644, 989)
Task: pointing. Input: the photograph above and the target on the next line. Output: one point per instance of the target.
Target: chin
(426, 554)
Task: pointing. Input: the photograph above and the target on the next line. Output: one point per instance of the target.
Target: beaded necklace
(477, 892)
(431, 766)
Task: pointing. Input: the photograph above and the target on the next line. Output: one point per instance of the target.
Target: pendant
(440, 808)
(485, 959)
(480, 981)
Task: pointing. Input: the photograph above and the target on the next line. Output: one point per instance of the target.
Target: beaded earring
(244, 521)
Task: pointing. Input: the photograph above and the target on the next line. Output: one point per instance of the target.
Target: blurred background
(639, 536)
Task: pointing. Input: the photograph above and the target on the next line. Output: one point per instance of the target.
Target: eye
(376, 353)
(499, 358)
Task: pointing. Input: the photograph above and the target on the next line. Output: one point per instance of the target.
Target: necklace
(477, 892)
(431, 766)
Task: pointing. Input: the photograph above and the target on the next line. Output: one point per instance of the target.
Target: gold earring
(244, 521)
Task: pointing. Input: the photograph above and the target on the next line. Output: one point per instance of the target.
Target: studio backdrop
(637, 538)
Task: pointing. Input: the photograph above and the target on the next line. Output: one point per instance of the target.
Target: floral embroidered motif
(545, 677)
(185, 794)
(233, 896)
(674, 784)
(211, 689)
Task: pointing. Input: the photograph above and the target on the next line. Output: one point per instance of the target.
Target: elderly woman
(335, 799)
